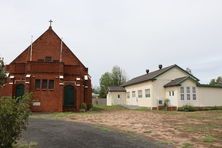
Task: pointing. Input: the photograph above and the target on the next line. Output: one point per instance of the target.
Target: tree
(13, 119)
(212, 82)
(216, 82)
(96, 90)
(116, 78)
(105, 82)
(2, 72)
(219, 80)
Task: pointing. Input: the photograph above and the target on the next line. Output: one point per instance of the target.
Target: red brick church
(55, 76)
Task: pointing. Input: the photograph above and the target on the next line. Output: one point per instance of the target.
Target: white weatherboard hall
(173, 83)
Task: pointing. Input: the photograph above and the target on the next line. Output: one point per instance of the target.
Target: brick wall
(49, 44)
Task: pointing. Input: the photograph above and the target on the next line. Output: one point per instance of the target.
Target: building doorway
(19, 91)
(69, 96)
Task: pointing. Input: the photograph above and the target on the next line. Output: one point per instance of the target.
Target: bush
(89, 106)
(166, 104)
(13, 119)
(187, 108)
(83, 107)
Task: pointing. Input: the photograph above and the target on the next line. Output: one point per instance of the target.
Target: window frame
(172, 93)
(140, 93)
(133, 94)
(194, 93)
(147, 93)
(40, 84)
(188, 90)
(188, 98)
(194, 98)
(52, 83)
(194, 90)
(182, 98)
(182, 93)
(118, 96)
(182, 88)
(128, 95)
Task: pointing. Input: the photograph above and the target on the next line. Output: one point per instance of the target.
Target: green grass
(102, 128)
(62, 115)
(201, 115)
(147, 132)
(23, 144)
(208, 139)
(200, 127)
(165, 142)
(97, 108)
(56, 115)
(143, 109)
(187, 145)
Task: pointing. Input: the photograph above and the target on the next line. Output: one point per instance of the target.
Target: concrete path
(64, 134)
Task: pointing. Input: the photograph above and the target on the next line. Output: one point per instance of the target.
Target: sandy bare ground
(195, 129)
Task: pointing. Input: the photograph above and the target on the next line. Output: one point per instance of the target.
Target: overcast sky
(134, 34)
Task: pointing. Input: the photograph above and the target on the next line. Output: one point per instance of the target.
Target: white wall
(185, 84)
(143, 102)
(173, 99)
(158, 84)
(206, 96)
(210, 96)
(112, 98)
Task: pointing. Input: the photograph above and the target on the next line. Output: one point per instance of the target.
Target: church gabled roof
(47, 39)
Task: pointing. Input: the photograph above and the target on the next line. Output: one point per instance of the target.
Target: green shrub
(13, 119)
(166, 104)
(89, 106)
(83, 107)
(187, 108)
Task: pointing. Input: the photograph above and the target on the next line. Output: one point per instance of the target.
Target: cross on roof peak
(50, 23)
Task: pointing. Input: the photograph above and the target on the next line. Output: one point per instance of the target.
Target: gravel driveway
(64, 134)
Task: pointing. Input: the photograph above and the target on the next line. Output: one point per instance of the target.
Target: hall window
(147, 93)
(188, 90)
(188, 93)
(172, 93)
(140, 93)
(182, 96)
(44, 84)
(181, 93)
(188, 96)
(51, 84)
(194, 96)
(133, 94)
(128, 94)
(194, 90)
(37, 84)
(194, 93)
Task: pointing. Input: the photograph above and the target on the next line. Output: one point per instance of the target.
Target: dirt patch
(196, 129)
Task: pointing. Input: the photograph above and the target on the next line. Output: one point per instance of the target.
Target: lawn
(182, 129)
